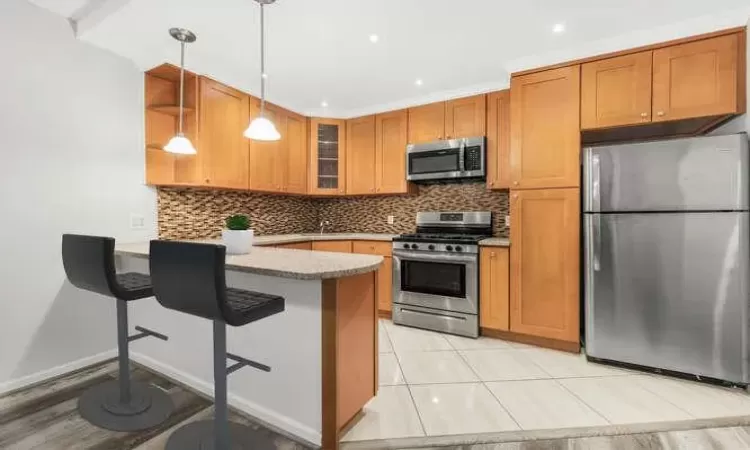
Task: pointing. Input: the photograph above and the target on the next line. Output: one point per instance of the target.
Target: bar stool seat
(135, 285)
(249, 306)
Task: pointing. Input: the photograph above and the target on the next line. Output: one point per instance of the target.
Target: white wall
(71, 133)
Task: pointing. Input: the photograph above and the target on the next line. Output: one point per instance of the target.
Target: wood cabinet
(391, 135)
(327, 157)
(498, 140)
(297, 159)
(463, 117)
(494, 289)
(616, 91)
(332, 246)
(360, 156)
(384, 285)
(267, 159)
(223, 151)
(466, 117)
(545, 129)
(296, 245)
(699, 79)
(544, 263)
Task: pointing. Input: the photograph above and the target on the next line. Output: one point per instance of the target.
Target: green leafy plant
(238, 222)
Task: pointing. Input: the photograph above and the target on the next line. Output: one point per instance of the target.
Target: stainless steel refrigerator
(667, 249)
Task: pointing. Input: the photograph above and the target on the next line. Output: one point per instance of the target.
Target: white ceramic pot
(237, 242)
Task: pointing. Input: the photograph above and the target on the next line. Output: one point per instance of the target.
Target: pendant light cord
(262, 63)
(182, 84)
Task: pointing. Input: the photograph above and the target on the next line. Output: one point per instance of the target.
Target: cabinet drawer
(296, 245)
(382, 248)
(332, 246)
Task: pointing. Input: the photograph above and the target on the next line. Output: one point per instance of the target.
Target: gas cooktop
(446, 238)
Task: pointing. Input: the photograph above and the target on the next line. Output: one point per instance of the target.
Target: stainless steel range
(436, 272)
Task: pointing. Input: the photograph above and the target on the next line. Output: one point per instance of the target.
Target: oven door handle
(434, 257)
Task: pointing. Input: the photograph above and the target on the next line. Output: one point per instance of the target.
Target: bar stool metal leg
(123, 405)
(221, 434)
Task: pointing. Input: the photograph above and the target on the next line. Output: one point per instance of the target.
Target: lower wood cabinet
(384, 285)
(296, 246)
(544, 263)
(493, 288)
(332, 246)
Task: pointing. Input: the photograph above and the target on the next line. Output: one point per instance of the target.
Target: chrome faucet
(323, 224)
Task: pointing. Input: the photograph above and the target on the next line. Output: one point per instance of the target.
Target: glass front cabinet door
(327, 164)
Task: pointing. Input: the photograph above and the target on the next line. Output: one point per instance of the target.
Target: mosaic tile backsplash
(195, 213)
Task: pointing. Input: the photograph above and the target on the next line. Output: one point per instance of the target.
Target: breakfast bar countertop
(277, 239)
(495, 242)
(284, 263)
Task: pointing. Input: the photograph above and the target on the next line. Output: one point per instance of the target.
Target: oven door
(436, 160)
(437, 281)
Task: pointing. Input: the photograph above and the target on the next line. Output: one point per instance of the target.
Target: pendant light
(262, 129)
(181, 144)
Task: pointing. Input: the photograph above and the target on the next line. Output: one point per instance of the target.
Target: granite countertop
(284, 263)
(292, 238)
(495, 242)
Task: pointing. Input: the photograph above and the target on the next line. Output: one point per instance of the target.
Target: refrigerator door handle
(595, 183)
(596, 235)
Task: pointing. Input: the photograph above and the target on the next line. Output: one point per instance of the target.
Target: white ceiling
(320, 49)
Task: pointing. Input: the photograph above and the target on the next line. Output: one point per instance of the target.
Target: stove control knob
(406, 245)
(431, 247)
(414, 246)
(459, 248)
(449, 248)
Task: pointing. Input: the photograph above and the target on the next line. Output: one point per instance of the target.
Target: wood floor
(45, 416)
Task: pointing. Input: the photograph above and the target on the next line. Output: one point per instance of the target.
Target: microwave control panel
(473, 158)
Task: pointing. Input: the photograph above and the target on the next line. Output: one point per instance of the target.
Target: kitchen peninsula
(322, 349)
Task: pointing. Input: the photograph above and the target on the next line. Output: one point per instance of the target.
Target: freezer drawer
(693, 174)
(669, 291)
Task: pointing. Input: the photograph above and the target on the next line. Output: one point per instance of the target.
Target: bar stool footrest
(200, 436)
(149, 407)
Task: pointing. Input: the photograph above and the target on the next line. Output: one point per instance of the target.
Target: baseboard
(274, 420)
(44, 375)
(566, 346)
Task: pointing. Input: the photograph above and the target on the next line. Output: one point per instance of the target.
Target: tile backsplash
(186, 213)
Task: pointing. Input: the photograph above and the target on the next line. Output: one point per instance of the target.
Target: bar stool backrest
(89, 263)
(189, 277)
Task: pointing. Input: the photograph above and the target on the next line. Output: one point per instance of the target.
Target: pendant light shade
(261, 128)
(180, 144)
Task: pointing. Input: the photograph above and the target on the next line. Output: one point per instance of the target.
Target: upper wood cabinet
(223, 151)
(616, 91)
(390, 150)
(427, 123)
(296, 154)
(268, 159)
(498, 140)
(360, 156)
(545, 129)
(494, 288)
(699, 79)
(327, 157)
(544, 263)
(466, 117)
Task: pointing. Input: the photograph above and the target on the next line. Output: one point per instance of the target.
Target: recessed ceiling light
(419, 82)
(324, 104)
(265, 75)
(374, 38)
(558, 28)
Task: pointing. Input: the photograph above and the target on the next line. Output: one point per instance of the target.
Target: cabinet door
(223, 150)
(498, 140)
(427, 123)
(616, 91)
(384, 288)
(296, 246)
(332, 246)
(327, 156)
(466, 117)
(390, 149)
(544, 263)
(545, 129)
(494, 288)
(297, 158)
(697, 79)
(268, 159)
(360, 156)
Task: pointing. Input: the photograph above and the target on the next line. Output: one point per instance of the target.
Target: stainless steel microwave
(453, 159)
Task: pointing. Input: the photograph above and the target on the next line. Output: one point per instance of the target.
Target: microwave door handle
(462, 156)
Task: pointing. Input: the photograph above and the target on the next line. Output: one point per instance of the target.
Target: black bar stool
(190, 278)
(121, 405)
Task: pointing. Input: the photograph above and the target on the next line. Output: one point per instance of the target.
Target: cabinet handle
(660, 113)
(644, 115)
(492, 255)
(448, 136)
(207, 180)
(515, 196)
(515, 183)
(377, 190)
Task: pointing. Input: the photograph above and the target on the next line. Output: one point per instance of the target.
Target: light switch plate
(391, 219)
(137, 221)
(507, 221)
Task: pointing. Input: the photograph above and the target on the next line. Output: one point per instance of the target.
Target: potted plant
(237, 237)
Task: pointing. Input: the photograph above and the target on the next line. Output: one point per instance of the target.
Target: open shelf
(172, 110)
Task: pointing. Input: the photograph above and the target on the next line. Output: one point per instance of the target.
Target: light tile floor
(433, 385)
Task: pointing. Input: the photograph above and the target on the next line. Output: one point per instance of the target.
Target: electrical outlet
(137, 221)
(507, 221)
(391, 219)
